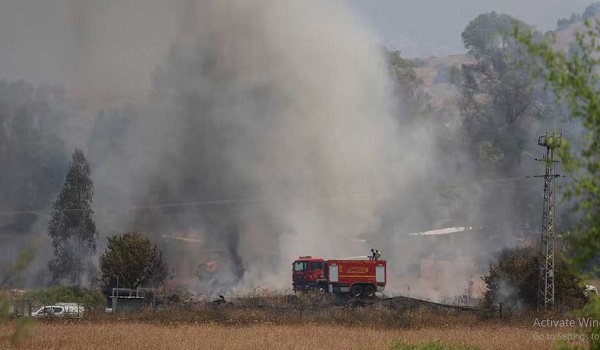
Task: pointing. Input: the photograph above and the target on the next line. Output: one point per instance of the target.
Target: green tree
(513, 281)
(574, 78)
(500, 107)
(134, 260)
(496, 93)
(72, 227)
(409, 87)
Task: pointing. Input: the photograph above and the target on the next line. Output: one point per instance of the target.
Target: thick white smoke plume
(253, 132)
(283, 106)
(250, 133)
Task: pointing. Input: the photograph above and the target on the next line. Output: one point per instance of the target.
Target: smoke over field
(259, 131)
(284, 109)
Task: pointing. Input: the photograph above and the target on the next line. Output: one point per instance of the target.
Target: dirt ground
(120, 335)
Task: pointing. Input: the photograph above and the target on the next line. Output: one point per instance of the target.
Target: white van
(60, 309)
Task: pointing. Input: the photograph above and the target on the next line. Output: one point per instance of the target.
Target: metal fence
(131, 300)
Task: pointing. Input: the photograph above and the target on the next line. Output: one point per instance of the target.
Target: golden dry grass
(121, 335)
(280, 322)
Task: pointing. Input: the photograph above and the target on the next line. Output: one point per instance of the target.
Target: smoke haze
(286, 104)
(265, 129)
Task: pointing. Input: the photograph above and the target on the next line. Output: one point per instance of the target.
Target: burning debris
(222, 269)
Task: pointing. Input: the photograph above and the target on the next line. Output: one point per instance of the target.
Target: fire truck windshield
(316, 265)
(299, 266)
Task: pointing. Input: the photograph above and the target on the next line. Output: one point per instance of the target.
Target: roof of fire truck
(309, 257)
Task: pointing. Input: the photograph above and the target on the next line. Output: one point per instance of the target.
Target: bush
(134, 260)
(513, 281)
(90, 298)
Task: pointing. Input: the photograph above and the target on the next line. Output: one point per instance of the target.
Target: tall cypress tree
(72, 227)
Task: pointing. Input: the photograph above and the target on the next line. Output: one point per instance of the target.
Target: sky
(36, 45)
(426, 28)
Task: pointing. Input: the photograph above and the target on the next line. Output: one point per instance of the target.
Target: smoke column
(263, 130)
(284, 106)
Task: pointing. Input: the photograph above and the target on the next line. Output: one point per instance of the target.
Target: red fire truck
(361, 277)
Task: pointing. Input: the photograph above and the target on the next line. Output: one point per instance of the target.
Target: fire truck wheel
(322, 290)
(356, 291)
(369, 291)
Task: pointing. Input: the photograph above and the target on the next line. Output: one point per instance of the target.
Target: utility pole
(546, 264)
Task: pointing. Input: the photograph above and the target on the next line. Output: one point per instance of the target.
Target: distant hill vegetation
(437, 73)
(590, 11)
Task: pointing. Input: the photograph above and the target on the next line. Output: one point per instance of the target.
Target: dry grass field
(282, 322)
(120, 335)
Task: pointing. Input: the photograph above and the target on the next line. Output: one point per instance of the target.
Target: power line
(22, 212)
(218, 202)
(505, 179)
(200, 203)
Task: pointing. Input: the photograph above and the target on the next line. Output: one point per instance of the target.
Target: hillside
(435, 74)
(435, 71)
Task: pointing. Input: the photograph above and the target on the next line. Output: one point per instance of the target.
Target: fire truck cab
(308, 273)
(361, 277)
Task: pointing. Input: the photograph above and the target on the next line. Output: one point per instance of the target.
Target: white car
(59, 310)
